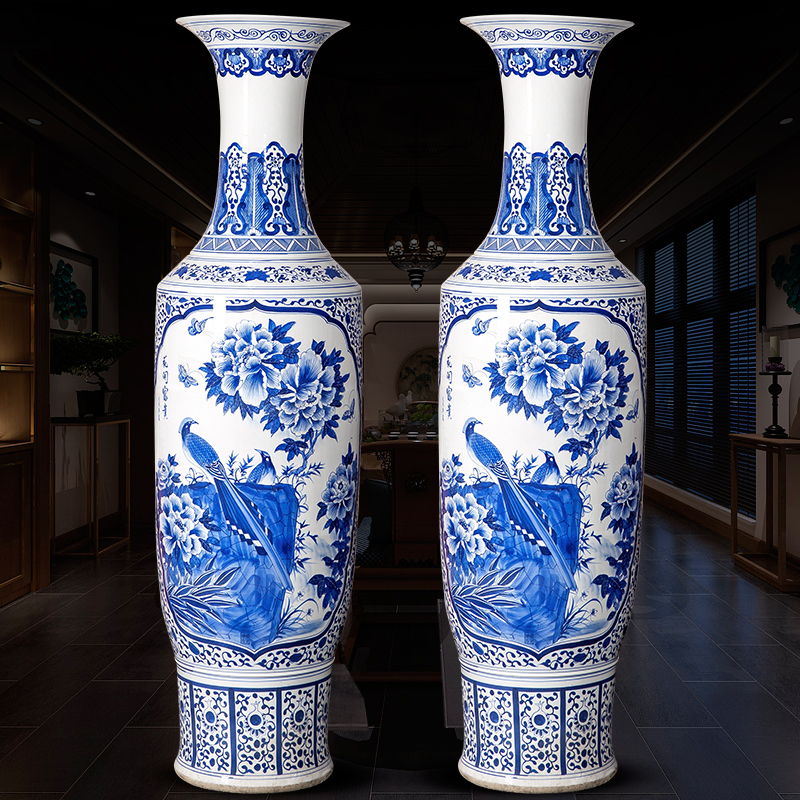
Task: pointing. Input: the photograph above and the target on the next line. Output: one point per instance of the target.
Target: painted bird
(263, 473)
(242, 515)
(524, 512)
(547, 470)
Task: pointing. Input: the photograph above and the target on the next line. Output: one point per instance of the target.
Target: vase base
(537, 785)
(254, 784)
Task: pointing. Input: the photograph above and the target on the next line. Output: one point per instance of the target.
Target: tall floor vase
(542, 348)
(258, 398)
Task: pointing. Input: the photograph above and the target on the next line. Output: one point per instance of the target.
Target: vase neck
(262, 65)
(546, 69)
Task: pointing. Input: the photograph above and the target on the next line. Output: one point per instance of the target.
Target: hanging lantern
(415, 241)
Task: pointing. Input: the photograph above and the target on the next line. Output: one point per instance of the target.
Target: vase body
(258, 403)
(542, 348)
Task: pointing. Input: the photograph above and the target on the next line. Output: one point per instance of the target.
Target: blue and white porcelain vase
(258, 402)
(542, 348)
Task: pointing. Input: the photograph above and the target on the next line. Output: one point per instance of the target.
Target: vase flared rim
(226, 19)
(605, 22)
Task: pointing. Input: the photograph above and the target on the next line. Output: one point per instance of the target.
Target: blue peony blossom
(465, 528)
(182, 529)
(307, 393)
(248, 361)
(590, 394)
(532, 362)
(339, 496)
(623, 496)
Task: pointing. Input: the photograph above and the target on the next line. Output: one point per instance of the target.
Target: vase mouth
(243, 30)
(229, 18)
(619, 24)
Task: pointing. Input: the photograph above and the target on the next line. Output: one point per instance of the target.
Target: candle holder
(775, 368)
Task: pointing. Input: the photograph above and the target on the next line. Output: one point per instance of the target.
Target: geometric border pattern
(254, 732)
(532, 733)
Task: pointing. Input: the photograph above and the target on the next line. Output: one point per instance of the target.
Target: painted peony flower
(307, 393)
(340, 494)
(588, 401)
(623, 496)
(181, 529)
(248, 361)
(531, 361)
(449, 473)
(466, 531)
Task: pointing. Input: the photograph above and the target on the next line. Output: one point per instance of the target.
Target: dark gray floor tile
(161, 710)
(38, 643)
(445, 780)
(423, 796)
(413, 736)
(649, 603)
(137, 763)
(423, 655)
(669, 579)
(86, 578)
(745, 598)
(719, 621)
(761, 727)
(698, 564)
(704, 764)
(40, 694)
(10, 738)
(637, 769)
(785, 630)
(594, 793)
(790, 600)
(105, 598)
(775, 668)
(150, 658)
(633, 635)
(653, 694)
(73, 737)
(28, 611)
(689, 651)
(143, 566)
(125, 625)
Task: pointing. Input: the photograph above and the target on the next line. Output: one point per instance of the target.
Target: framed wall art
(73, 290)
(779, 271)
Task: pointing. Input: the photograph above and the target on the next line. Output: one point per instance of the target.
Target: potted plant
(422, 416)
(89, 355)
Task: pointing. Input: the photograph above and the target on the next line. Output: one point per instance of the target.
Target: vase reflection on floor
(542, 347)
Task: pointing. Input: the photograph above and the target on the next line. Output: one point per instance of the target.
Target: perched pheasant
(525, 513)
(242, 515)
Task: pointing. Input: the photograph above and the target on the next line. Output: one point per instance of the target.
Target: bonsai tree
(87, 354)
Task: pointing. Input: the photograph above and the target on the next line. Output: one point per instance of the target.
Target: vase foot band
(253, 785)
(528, 736)
(245, 736)
(529, 785)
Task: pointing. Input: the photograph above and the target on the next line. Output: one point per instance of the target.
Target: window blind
(701, 279)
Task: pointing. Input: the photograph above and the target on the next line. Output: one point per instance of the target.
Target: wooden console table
(93, 426)
(770, 565)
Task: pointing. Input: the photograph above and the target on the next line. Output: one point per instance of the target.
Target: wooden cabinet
(24, 369)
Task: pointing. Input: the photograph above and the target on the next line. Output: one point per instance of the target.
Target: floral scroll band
(279, 62)
(522, 61)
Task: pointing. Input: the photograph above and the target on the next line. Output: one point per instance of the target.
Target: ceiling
(128, 102)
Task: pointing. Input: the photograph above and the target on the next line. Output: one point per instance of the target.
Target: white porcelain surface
(542, 359)
(258, 405)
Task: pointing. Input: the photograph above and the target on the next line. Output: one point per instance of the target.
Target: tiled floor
(708, 704)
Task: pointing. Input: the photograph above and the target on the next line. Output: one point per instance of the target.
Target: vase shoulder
(543, 274)
(260, 272)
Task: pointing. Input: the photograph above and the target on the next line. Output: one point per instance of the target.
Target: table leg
(769, 520)
(781, 517)
(734, 500)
